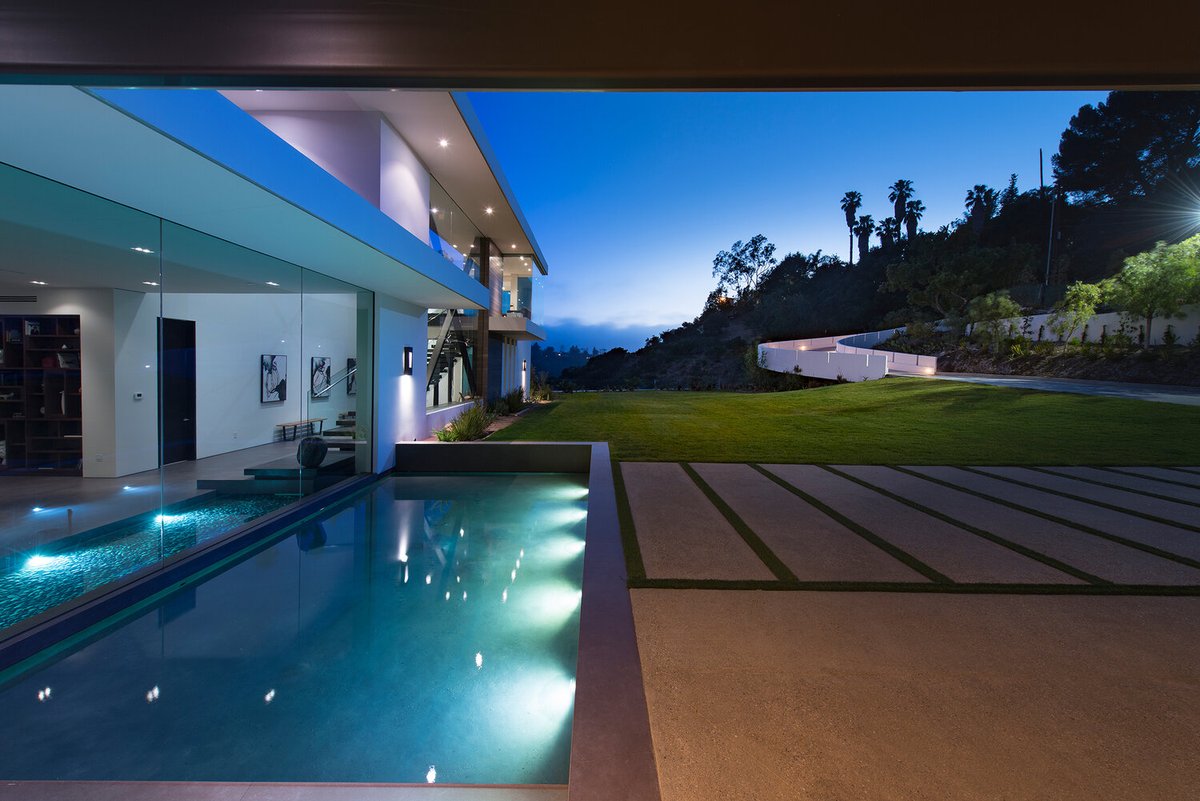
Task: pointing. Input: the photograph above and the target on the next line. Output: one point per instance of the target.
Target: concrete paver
(1100, 557)
(948, 549)
(1175, 540)
(813, 695)
(1138, 483)
(815, 546)
(1168, 510)
(680, 533)
(1166, 474)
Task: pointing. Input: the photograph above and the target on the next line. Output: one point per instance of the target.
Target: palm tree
(863, 230)
(914, 210)
(899, 193)
(889, 232)
(980, 203)
(851, 203)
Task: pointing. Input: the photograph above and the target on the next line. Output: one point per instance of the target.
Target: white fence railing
(843, 357)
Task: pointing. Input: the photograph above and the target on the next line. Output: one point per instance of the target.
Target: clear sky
(632, 194)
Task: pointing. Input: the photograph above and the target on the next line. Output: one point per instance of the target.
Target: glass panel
(451, 232)
(79, 479)
(335, 337)
(518, 286)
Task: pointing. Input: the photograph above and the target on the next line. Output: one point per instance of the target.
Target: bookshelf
(41, 402)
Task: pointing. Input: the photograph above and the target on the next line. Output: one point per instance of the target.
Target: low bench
(295, 425)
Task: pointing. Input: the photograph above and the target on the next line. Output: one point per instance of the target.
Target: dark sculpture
(311, 451)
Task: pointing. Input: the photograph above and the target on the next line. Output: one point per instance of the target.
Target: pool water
(38, 580)
(426, 630)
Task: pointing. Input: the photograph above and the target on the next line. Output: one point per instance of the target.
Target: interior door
(177, 339)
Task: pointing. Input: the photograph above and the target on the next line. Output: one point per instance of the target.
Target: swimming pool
(34, 581)
(423, 631)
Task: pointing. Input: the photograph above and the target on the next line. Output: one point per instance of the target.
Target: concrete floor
(811, 695)
(71, 504)
(985, 685)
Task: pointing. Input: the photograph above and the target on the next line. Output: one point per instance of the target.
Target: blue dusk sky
(632, 194)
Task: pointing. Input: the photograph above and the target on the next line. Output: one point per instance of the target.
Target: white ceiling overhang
(466, 167)
(194, 158)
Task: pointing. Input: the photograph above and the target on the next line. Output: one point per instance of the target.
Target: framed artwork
(351, 375)
(273, 387)
(322, 376)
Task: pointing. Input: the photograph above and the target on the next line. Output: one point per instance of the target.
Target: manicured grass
(894, 421)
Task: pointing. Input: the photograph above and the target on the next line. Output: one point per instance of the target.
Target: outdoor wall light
(524, 365)
(408, 361)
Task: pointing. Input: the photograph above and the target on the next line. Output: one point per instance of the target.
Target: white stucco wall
(399, 399)
(343, 143)
(403, 183)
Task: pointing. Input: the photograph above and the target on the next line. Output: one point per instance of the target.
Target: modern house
(194, 279)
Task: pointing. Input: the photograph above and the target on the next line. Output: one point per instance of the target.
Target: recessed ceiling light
(150, 283)
(513, 246)
(434, 210)
(489, 210)
(39, 283)
(443, 142)
(272, 283)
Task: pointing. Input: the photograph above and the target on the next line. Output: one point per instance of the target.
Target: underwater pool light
(40, 562)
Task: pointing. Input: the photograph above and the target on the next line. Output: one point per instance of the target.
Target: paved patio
(863, 632)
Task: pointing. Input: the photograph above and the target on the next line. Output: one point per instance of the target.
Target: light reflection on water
(317, 660)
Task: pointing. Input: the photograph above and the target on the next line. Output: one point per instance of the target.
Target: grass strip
(1062, 521)
(1110, 506)
(634, 567)
(870, 536)
(1099, 483)
(760, 548)
(919, 587)
(1187, 484)
(1037, 556)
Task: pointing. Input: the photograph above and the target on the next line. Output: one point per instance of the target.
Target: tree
(914, 210)
(980, 203)
(899, 193)
(1128, 145)
(851, 203)
(989, 314)
(863, 230)
(1157, 283)
(1076, 308)
(1010, 193)
(889, 232)
(744, 264)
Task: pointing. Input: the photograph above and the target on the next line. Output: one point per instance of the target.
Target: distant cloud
(567, 332)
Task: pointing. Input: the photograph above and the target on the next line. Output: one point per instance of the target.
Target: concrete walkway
(927, 633)
(1162, 393)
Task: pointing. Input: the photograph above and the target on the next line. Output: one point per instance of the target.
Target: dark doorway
(177, 340)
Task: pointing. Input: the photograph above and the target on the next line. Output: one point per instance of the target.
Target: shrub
(540, 389)
(1169, 337)
(471, 424)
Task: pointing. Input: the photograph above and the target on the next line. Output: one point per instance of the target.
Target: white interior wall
(135, 359)
(232, 333)
(403, 183)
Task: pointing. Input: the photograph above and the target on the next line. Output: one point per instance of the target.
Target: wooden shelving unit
(41, 403)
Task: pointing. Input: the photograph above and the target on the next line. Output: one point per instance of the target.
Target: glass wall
(156, 389)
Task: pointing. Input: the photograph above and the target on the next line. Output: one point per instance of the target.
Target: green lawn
(894, 421)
